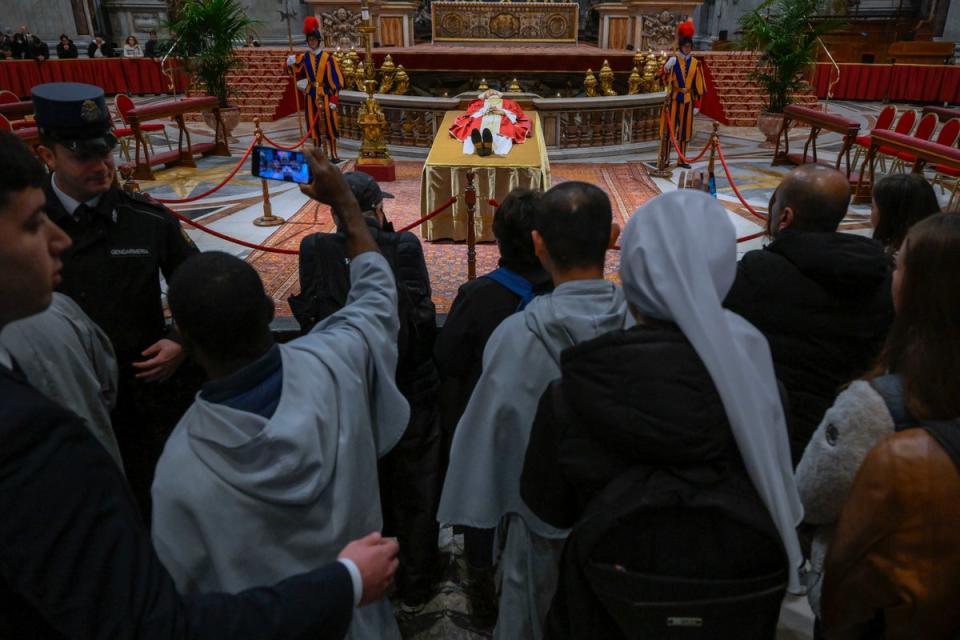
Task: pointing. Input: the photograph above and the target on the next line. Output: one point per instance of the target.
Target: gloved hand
(668, 67)
(291, 59)
(333, 107)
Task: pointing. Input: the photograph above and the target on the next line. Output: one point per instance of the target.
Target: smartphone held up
(276, 164)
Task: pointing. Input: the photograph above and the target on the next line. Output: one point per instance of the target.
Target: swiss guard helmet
(685, 32)
(311, 28)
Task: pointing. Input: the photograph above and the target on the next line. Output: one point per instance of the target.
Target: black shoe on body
(477, 141)
(487, 141)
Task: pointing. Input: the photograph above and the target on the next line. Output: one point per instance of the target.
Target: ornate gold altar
(472, 22)
(444, 174)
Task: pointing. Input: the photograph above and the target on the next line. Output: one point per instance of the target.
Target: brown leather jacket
(897, 547)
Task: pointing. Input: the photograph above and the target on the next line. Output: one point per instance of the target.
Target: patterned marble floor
(232, 210)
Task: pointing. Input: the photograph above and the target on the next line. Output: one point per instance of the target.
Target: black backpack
(622, 573)
(325, 281)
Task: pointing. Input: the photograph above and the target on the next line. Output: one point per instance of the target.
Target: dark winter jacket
(76, 561)
(823, 302)
(67, 52)
(479, 308)
(106, 49)
(640, 404)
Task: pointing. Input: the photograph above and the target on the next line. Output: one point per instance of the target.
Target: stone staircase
(260, 85)
(742, 97)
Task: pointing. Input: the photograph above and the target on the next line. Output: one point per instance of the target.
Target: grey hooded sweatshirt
(241, 500)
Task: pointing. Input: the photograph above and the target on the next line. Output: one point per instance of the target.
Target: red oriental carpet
(627, 184)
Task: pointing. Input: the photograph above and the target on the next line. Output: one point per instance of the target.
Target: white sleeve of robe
(490, 441)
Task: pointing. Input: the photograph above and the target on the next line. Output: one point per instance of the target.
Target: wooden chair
(904, 127)
(123, 104)
(928, 124)
(884, 121)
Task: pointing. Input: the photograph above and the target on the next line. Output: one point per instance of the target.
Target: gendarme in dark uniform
(121, 244)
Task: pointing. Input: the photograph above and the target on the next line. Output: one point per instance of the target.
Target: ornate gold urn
(514, 87)
(635, 82)
(402, 81)
(483, 86)
(590, 84)
(388, 71)
(606, 80)
(650, 81)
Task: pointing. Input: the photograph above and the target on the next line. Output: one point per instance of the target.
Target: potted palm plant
(786, 34)
(207, 34)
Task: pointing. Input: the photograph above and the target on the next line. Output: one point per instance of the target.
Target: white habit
(240, 500)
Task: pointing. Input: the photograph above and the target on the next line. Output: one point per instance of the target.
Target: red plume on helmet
(685, 30)
(310, 25)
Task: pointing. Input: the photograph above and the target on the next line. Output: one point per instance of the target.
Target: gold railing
(568, 123)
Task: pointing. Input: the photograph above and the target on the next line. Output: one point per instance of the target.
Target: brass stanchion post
(714, 141)
(470, 199)
(267, 219)
(663, 169)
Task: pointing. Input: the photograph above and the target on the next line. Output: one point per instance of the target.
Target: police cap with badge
(75, 116)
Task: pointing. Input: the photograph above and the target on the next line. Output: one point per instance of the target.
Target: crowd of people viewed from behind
(681, 449)
(23, 45)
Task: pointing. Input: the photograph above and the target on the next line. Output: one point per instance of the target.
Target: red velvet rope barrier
(223, 236)
(429, 216)
(733, 185)
(676, 145)
(293, 252)
(216, 188)
(303, 140)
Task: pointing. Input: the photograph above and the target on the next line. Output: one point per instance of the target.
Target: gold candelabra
(374, 157)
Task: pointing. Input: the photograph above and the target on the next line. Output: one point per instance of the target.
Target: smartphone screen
(276, 164)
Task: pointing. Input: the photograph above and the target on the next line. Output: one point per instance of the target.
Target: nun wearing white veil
(680, 412)
(678, 261)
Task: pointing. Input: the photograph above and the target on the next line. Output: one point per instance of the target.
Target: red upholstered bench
(818, 120)
(167, 108)
(185, 151)
(923, 150)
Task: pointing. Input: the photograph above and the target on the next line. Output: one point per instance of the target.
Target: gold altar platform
(444, 174)
(476, 22)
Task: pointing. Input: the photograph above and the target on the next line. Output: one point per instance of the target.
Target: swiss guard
(683, 75)
(321, 80)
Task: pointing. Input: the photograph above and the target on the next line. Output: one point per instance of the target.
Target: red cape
(465, 123)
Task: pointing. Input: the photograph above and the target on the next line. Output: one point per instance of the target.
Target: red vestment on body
(516, 131)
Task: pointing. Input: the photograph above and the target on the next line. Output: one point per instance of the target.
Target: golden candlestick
(374, 157)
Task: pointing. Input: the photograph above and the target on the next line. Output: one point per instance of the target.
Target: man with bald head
(821, 297)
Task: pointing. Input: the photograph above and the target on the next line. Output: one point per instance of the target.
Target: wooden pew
(924, 150)
(818, 120)
(943, 113)
(16, 110)
(183, 154)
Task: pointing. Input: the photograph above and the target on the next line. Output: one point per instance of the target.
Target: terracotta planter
(769, 125)
(230, 117)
